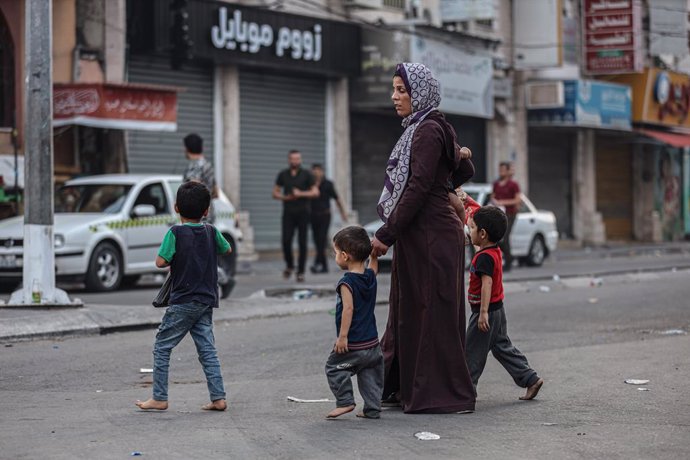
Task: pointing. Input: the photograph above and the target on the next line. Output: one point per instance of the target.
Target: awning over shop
(115, 106)
(676, 140)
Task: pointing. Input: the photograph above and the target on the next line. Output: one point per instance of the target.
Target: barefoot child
(488, 330)
(357, 349)
(190, 249)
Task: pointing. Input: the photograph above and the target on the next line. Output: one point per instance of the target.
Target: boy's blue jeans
(197, 319)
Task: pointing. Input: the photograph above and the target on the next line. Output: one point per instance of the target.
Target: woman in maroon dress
(424, 341)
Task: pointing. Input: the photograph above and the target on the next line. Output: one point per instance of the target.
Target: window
(154, 195)
(96, 198)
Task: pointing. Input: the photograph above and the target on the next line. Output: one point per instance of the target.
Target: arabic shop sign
(660, 97)
(234, 33)
(589, 103)
(612, 36)
(115, 106)
(238, 34)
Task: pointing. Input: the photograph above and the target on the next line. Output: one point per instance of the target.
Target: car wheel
(537, 252)
(105, 268)
(227, 267)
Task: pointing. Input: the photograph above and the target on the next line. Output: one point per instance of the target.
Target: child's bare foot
(218, 404)
(152, 404)
(533, 390)
(338, 411)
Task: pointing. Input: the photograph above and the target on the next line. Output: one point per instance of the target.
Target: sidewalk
(578, 265)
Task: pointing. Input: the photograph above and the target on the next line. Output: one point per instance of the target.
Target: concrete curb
(106, 319)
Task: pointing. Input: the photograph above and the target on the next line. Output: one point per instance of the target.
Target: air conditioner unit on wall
(544, 95)
(364, 4)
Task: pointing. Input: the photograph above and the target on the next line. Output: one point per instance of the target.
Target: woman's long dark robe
(424, 341)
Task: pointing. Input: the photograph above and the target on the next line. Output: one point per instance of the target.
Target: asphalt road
(74, 398)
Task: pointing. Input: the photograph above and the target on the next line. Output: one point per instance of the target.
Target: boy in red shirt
(488, 330)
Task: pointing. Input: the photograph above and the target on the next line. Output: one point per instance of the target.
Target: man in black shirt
(295, 187)
(321, 216)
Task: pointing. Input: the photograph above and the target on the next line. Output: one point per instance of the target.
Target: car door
(524, 228)
(145, 234)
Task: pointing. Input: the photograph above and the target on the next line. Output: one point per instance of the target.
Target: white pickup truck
(108, 229)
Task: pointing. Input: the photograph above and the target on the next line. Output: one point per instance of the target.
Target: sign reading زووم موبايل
(233, 33)
(226, 33)
(611, 36)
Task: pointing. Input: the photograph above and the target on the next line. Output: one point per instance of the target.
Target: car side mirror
(144, 210)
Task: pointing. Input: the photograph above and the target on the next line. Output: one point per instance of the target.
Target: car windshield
(97, 198)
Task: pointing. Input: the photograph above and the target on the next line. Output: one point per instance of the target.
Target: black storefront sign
(225, 33)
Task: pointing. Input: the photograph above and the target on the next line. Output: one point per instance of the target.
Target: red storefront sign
(611, 38)
(115, 106)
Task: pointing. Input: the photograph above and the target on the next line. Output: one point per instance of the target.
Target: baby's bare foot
(152, 404)
(338, 411)
(218, 404)
(533, 390)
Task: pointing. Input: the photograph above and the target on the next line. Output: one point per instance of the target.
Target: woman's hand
(378, 249)
(465, 153)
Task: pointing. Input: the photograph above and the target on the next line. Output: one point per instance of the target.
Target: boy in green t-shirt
(190, 249)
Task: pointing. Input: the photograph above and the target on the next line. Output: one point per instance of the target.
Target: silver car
(108, 229)
(534, 234)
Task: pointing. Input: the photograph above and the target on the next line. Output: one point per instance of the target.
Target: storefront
(257, 83)
(579, 157)
(466, 100)
(660, 113)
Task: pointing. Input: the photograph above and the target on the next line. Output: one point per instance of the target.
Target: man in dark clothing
(321, 216)
(506, 193)
(295, 187)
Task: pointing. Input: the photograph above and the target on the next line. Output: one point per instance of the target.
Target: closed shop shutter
(373, 136)
(277, 114)
(614, 189)
(163, 152)
(550, 173)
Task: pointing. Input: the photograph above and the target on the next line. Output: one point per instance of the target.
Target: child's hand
(483, 322)
(341, 345)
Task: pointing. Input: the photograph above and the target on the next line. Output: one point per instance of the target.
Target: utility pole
(39, 252)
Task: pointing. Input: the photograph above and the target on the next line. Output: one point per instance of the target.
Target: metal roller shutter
(162, 152)
(277, 114)
(614, 189)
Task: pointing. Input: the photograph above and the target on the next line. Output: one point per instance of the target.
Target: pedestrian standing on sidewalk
(356, 350)
(506, 194)
(190, 250)
(199, 169)
(321, 216)
(424, 342)
(295, 187)
(488, 329)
